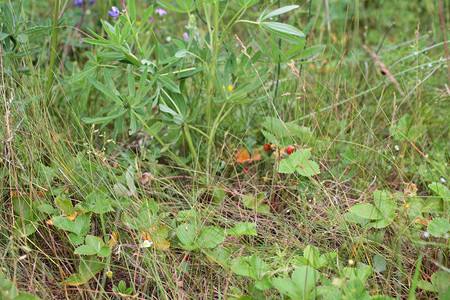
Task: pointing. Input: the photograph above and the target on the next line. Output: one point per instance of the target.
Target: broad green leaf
(427, 286)
(286, 166)
(85, 250)
(354, 218)
(187, 234)
(308, 168)
(63, 223)
(438, 227)
(99, 202)
(441, 190)
(48, 209)
(65, 205)
(105, 251)
(210, 237)
(312, 255)
(327, 259)
(305, 278)
(87, 269)
(82, 225)
(382, 223)
(219, 255)
(379, 263)
(94, 242)
(241, 266)
(300, 156)
(355, 289)
(76, 239)
(286, 286)
(362, 272)
(366, 211)
(385, 203)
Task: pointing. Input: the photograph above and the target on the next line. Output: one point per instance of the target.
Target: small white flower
(443, 180)
(168, 39)
(397, 148)
(416, 53)
(430, 65)
(146, 244)
(426, 234)
(351, 262)
(446, 235)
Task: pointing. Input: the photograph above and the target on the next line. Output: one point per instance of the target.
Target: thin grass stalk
(54, 45)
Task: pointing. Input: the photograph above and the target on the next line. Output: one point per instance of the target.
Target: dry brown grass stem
(385, 70)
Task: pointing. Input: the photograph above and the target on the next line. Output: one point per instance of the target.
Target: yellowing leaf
(157, 236)
(113, 240)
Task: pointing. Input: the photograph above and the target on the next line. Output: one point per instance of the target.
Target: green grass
(146, 150)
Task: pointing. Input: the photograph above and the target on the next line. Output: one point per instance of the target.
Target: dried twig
(386, 71)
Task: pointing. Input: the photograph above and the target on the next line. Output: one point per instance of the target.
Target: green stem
(217, 121)
(232, 22)
(215, 50)
(54, 45)
(199, 131)
(190, 143)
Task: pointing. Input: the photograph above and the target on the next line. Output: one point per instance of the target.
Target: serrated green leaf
(312, 255)
(85, 250)
(187, 234)
(63, 223)
(385, 203)
(438, 227)
(210, 237)
(65, 205)
(242, 228)
(105, 251)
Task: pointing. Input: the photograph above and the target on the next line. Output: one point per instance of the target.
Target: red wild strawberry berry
(266, 147)
(246, 170)
(290, 149)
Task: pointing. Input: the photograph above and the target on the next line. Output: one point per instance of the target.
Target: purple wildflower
(81, 2)
(152, 20)
(114, 13)
(186, 36)
(161, 12)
